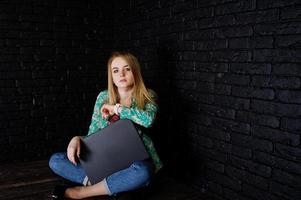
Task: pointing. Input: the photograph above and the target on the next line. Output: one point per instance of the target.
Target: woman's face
(122, 73)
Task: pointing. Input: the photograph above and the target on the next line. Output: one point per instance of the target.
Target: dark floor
(34, 180)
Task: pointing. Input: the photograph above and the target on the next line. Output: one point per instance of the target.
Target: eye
(115, 71)
(128, 69)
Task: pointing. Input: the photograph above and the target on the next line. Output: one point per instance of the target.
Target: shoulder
(102, 95)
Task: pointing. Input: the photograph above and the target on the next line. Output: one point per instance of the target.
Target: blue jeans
(135, 176)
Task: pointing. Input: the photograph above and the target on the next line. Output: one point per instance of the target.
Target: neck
(125, 93)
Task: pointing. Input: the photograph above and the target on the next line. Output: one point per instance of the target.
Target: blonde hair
(140, 93)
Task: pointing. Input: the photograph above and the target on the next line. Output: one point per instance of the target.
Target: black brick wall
(228, 77)
(52, 65)
(227, 73)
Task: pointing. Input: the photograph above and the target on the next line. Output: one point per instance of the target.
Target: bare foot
(74, 192)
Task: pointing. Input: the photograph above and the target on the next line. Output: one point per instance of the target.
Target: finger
(78, 151)
(70, 156)
(73, 159)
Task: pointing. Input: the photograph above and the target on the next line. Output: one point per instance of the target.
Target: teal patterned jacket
(143, 117)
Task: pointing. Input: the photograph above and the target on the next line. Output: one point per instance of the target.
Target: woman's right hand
(73, 149)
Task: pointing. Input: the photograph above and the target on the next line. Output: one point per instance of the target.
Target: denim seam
(85, 182)
(106, 186)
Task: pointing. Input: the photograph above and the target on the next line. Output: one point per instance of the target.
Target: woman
(126, 97)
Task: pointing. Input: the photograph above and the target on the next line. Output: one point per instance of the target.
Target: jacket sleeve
(143, 117)
(97, 122)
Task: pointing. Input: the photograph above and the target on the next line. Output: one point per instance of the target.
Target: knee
(55, 160)
(142, 171)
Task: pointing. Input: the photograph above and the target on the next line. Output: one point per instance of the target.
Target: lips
(122, 80)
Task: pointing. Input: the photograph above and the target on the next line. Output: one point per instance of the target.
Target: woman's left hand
(107, 110)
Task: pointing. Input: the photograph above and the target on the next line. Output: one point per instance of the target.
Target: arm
(143, 117)
(97, 121)
(73, 149)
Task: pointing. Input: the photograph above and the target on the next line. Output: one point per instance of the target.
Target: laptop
(111, 149)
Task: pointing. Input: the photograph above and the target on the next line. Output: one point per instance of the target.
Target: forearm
(144, 118)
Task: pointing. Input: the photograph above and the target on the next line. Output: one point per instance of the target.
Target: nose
(122, 72)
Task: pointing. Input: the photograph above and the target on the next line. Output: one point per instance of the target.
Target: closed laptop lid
(111, 149)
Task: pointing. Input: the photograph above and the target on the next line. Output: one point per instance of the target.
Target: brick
(231, 125)
(255, 17)
(216, 111)
(240, 31)
(185, 45)
(214, 133)
(251, 142)
(231, 56)
(198, 13)
(7, 83)
(214, 165)
(277, 55)
(26, 9)
(8, 17)
(224, 180)
(293, 153)
(185, 84)
(200, 56)
(250, 68)
(258, 119)
(275, 135)
(292, 12)
(203, 141)
(199, 119)
(289, 96)
(251, 166)
(234, 7)
(290, 41)
(276, 82)
(211, 45)
(247, 177)
(216, 188)
(205, 98)
(233, 79)
(285, 178)
(222, 146)
(287, 69)
(232, 102)
(239, 43)
(7, 8)
(276, 3)
(276, 109)
(203, 76)
(185, 66)
(285, 191)
(263, 42)
(196, 35)
(205, 87)
(217, 21)
(233, 195)
(211, 67)
(278, 28)
(9, 107)
(253, 92)
(15, 75)
(255, 193)
(212, 154)
(291, 124)
(222, 89)
(241, 152)
(276, 162)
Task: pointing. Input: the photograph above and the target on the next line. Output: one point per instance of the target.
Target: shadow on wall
(172, 141)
